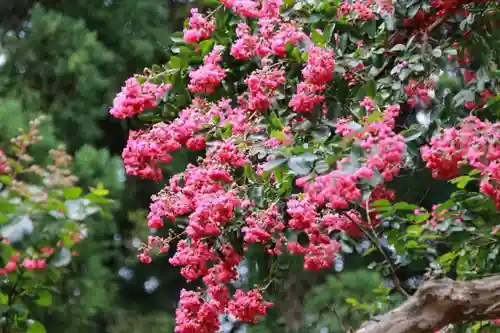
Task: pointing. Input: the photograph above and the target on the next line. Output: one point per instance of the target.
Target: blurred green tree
(66, 60)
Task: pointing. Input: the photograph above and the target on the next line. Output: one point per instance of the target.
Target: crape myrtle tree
(323, 125)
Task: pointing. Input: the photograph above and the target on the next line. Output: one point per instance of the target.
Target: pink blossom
(262, 85)
(209, 76)
(248, 306)
(135, 98)
(306, 98)
(199, 28)
(194, 315)
(368, 104)
(319, 68)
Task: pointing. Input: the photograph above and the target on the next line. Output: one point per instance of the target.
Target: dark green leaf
(272, 164)
(299, 165)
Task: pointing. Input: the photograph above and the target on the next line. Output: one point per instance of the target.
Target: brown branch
(439, 303)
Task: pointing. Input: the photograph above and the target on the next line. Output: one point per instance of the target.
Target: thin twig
(376, 243)
(338, 318)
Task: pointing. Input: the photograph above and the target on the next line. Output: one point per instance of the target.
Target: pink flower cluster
(11, 265)
(202, 193)
(253, 8)
(419, 93)
(194, 315)
(368, 104)
(209, 76)
(248, 306)
(32, 264)
(384, 149)
(160, 243)
(358, 9)
(135, 98)
(320, 64)
(262, 86)
(200, 314)
(475, 142)
(146, 148)
(317, 72)
(271, 40)
(320, 251)
(262, 226)
(306, 98)
(197, 314)
(199, 27)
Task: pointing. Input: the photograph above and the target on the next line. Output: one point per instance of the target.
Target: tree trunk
(439, 303)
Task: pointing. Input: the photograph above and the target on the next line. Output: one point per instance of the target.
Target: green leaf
(345, 247)
(97, 199)
(44, 298)
(205, 46)
(413, 10)
(272, 164)
(35, 327)
(175, 62)
(352, 301)
(370, 28)
(318, 38)
(462, 181)
(17, 229)
(404, 206)
(405, 72)
(275, 121)
(321, 166)
(412, 245)
(178, 37)
(414, 230)
(5, 179)
(413, 133)
(451, 51)
(62, 258)
(7, 207)
(72, 193)
(381, 203)
(462, 97)
(398, 48)
(447, 258)
(417, 67)
(299, 165)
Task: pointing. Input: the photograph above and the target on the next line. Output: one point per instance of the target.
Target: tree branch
(439, 303)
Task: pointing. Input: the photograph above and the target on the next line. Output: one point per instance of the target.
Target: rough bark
(439, 303)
